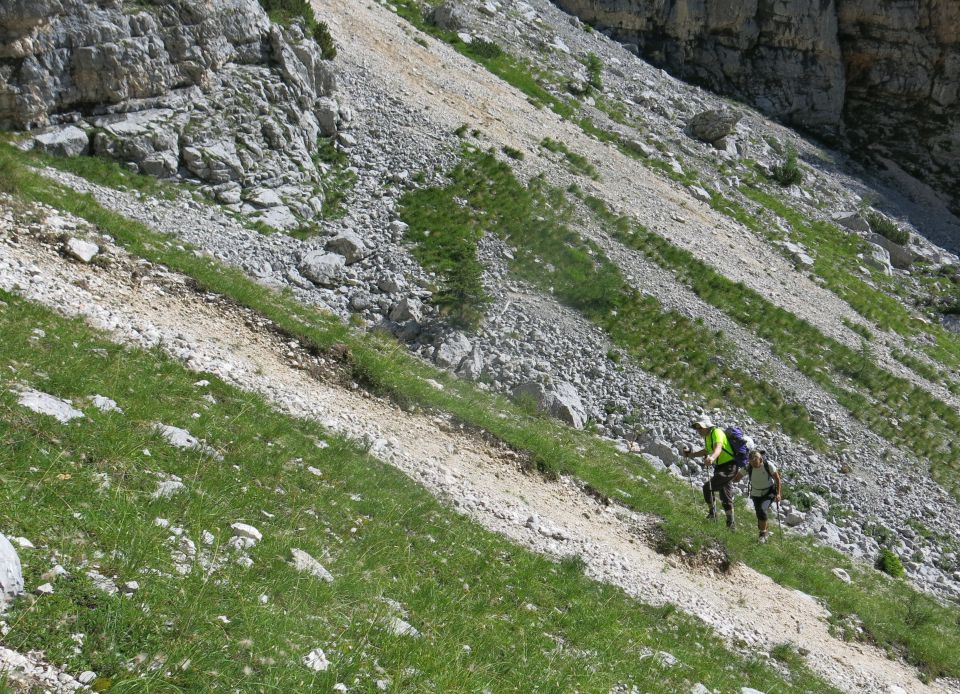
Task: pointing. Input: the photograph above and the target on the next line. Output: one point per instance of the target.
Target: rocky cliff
(880, 77)
(210, 91)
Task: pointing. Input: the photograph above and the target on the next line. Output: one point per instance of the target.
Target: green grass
(577, 163)
(491, 615)
(384, 367)
(337, 182)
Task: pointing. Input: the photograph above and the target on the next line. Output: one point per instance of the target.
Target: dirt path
(152, 306)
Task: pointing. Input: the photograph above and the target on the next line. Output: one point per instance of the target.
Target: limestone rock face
(873, 75)
(211, 91)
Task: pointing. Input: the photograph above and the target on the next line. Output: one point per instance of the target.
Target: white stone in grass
(668, 659)
(316, 660)
(314, 471)
(167, 489)
(382, 685)
(750, 690)
(44, 403)
(340, 687)
(105, 404)
(399, 627)
(45, 589)
(86, 677)
(207, 538)
(11, 573)
(304, 563)
(842, 575)
(101, 582)
(82, 250)
(23, 542)
(245, 562)
(131, 587)
(161, 522)
(699, 688)
(181, 438)
(246, 531)
(202, 383)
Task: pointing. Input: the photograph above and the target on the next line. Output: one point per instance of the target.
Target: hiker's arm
(712, 458)
(776, 476)
(694, 454)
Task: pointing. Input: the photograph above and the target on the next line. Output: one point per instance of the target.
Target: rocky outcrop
(211, 92)
(880, 77)
(11, 574)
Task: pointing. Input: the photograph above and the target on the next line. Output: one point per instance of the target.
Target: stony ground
(149, 306)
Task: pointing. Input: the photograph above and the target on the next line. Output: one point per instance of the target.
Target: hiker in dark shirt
(716, 452)
(765, 487)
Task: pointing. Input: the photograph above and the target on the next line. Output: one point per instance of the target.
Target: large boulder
(901, 257)
(67, 141)
(560, 400)
(878, 258)
(450, 16)
(714, 125)
(452, 351)
(11, 573)
(322, 268)
(349, 245)
(854, 221)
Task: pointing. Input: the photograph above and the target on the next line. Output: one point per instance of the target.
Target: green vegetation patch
(577, 163)
(338, 178)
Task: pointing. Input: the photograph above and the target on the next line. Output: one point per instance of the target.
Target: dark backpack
(738, 446)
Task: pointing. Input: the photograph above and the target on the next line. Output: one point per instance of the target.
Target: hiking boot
(730, 524)
(712, 514)
(764, 536)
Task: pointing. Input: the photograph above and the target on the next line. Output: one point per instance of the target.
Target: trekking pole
(779, 522)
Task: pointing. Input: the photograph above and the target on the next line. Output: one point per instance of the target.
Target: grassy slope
(893, 614)
(530, 625)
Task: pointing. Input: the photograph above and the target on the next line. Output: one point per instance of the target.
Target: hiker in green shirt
(716, 452)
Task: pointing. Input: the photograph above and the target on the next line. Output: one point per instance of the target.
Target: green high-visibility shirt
(710, 442)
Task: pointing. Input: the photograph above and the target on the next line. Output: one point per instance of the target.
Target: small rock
(105, 404)
(842, 575)
(44, 589)
(316, 660)
(303, 562)
(246, 531)
(167, 489)
(81, 250)
(399, 627)
(43, 403)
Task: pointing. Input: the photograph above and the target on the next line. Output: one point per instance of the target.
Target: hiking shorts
(762, 504)
(722, 481)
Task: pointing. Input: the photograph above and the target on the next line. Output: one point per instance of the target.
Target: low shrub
(888, 228)
(787, 172)
(889, 563)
